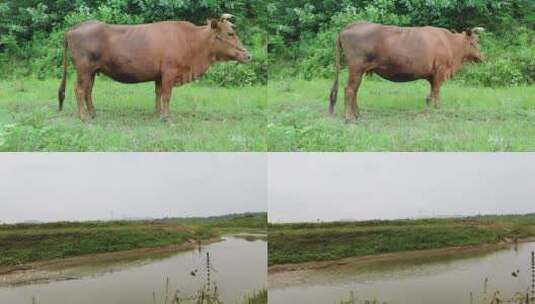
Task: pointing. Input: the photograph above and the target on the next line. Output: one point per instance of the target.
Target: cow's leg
(429, 98)
(89, 98)
(166, 89)
(351, 91)
(158, 101)
(82, 84)
(435, 91)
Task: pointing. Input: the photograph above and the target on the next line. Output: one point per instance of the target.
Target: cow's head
(473, 49)
(225, 43)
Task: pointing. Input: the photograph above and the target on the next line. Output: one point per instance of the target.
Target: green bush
(234, 74)
(510, 61)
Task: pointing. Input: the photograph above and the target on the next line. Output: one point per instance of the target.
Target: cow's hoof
(164, 118)
(351, 121)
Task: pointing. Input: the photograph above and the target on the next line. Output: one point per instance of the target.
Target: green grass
(289, 115)
(203, 118)
(295, 243)
(393, 118)
(260, 297)
(23, 243)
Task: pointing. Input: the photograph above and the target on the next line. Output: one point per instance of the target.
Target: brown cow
(401, 54)
(170, 53)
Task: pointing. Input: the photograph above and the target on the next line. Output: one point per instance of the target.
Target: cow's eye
(230, 34)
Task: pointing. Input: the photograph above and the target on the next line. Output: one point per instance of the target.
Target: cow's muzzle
(245, 57)
(479, 59)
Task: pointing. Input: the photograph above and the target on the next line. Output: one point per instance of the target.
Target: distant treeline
(302, 33)
(241, 220)
(31, 31)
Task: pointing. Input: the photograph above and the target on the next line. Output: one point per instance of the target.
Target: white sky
(360, 186)
(86, 186)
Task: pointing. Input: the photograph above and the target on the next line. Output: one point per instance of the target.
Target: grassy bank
(296, 243)
(203, 118)
(393, 118)
(24, 243)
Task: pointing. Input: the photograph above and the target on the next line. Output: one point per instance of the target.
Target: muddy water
(239, 268)
(439, 280)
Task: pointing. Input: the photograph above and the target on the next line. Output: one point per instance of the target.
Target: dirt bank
(396, 256)
(63, 269)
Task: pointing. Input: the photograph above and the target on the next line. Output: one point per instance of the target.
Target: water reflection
(430, 279)
(239, 269)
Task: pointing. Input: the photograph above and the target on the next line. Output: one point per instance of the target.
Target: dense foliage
(31, 31)
(303, 32)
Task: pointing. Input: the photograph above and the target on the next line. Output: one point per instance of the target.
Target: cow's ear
(468, 31)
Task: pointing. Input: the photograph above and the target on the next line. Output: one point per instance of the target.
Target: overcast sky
(360, 186)
(52, 187)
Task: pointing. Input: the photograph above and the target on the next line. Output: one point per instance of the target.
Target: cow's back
(396, 53)
(87, 38)
(128, 53)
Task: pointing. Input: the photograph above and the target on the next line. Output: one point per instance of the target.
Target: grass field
(289, 115)
(393, 118)
(295, 243)
(202, 118)
(23, 243)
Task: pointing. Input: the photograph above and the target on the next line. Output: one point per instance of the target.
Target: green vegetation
(202, 118)
(296, 243)
(24, 243)
(260, 297)
(394, 118)
(355, 300)
(233, 223)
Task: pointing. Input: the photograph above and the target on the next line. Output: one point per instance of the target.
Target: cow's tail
(61, 91)
(334, 90)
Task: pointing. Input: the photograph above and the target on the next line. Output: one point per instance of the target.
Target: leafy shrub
(234, 74)
(510, 61)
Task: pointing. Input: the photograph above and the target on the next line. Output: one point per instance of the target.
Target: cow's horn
(478, 29)
(227, 16)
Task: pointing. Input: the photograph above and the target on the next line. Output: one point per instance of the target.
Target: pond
(442, 279)
(238, 268)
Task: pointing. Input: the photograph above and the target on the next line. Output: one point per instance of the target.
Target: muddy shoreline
(57, 269)
(395, 256)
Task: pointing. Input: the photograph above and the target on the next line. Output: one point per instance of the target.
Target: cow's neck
(459, 52)
(199, 56)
